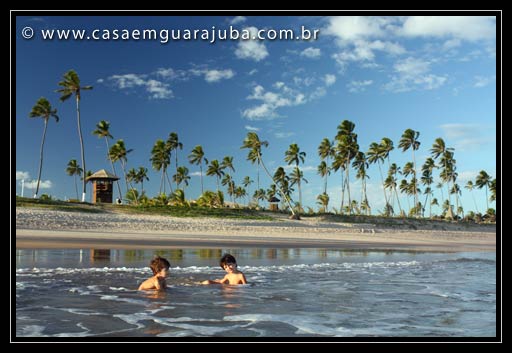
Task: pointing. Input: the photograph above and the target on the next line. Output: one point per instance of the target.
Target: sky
(435, 75)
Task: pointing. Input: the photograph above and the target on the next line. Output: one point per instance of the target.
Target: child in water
(233, 276)
(160, 267)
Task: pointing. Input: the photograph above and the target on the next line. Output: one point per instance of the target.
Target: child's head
(158, 264)
(227, 259)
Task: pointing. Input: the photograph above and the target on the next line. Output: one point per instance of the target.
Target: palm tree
(348, 148)
(118, 152)
(294, 155)
(427, 178)
(215, 169)
(360, 164)
(227, 163)
(252, 141)
(71, 85)
(470, 186)
(323, 200)
(74, 169)
(181, 176)
(492, 186)
(392, 172)
(296, 177)
(246, 183)
(42, 109)
(141, 175)
(410, 140)
(196, 157)
(173, 143)
(102, 131)
(252, 157)
(483, 179)
(160, 160)
(325, 151)
(439, 149)
(376, 155)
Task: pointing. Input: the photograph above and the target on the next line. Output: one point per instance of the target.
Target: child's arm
(244, 281)
(216, 281)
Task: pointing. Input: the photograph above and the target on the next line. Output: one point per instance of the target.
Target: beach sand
(43, 228)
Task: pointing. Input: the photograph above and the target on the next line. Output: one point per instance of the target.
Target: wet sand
(36, 228)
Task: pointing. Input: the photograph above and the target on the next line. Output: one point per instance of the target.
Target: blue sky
(436, 75)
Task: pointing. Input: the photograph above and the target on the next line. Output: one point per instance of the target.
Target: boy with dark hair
(233, 276)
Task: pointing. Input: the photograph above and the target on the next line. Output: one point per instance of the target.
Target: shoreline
(37, 228)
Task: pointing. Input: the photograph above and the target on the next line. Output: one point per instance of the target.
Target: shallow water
(292, 293)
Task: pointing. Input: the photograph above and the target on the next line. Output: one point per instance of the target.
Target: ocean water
(291, 293)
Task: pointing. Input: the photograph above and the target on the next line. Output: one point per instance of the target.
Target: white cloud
(358, 86)
(237, 20)
(303, 168)
(252, 128)
(195, 174)
(22, 175)
(481, 81)
(349, 29)
(329, 79)
(462, 27)
(451, 44)
(413, 73)
(466, 137)
(282, 135)
(311, 53)
(156, 89)
(43, 184)
(100, 80)
(217, 75)
(252, 72)
(251, 49)
(467, 175)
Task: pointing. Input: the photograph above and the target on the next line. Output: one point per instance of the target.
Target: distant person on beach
(233, 276)
(160, 267)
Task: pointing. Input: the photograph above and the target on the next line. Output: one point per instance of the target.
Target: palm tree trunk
(486, 198)
(281, 190)
(113, 169)
(76, 188)
(342, 191)
(474, 201)
(41, 157)
(84, 183)
(169, 181)
(177, 185)
(383, 187)
(415, 186)
(201, 169)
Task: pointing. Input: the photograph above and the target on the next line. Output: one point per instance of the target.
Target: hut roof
(102, 174)
(273, 199)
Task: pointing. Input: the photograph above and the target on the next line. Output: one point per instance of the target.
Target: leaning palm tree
(376, 155)
(252, 141)
(44, 110)
(483, 179)
(196, 157)
(347, 146)
(118, 152)
(410, 140)
(71, 85)
(102, 131)
(74, 169)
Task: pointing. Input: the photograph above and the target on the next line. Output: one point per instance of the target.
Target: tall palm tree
(427, 179)
(295, 156)
(160, 160)
(376, 155)
(470, 186)
(246, 183)
(360, 164)
(227, 163)
(439, 149)
(118, 152)
(252, 157)
(74, 169)
(173, 143)
(253, 142)
(196, 157)
(410, 140)
(348, 148)
(71, 85)
(42, 109)
(325, 151)
(215, 169)
(102, 130)
(392, 172)
(483, 179)
(142, 174)
(230, 185)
